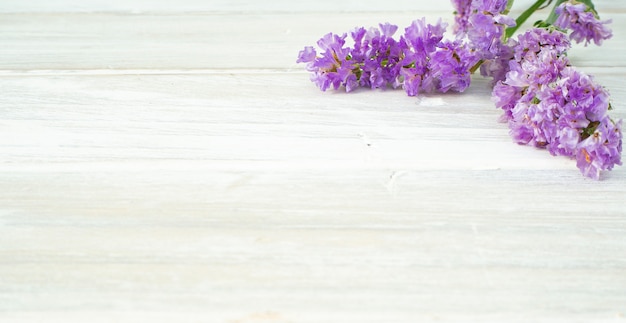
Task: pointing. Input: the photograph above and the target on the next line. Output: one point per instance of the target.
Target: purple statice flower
(415, 78)
(602, 149)
(371, 62)
(307, 55)
(506, 98)
(498, 66)
(462, 11)
(538, 39)
(359, 55)
(583, 94)
(486, 26)
(423, 38)
(548, 104)
(430, 64)
(493, 7)
(418, 62)
(537, 69)
(465, 9)
(379, 54)
(450, 66)
(333, 68)
(419, 41)
(583, 22)
(528, 46)
(486, 31)
(482, 23)
(536, 57)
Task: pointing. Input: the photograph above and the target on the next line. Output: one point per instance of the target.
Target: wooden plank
(113, 41)
(128, 191)
(339, 243)
(143, 6)
(201, 117)
(157, 6)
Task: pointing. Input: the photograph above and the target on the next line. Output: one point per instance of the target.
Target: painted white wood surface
(168, 161)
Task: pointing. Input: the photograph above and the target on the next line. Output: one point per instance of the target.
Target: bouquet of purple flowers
(547, 103)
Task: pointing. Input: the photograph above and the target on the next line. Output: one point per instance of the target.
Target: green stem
(523, 17)
(476, 66)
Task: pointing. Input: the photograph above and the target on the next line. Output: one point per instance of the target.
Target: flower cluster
(420, 61)
(549, 104)
(583, 21)
(483, 22)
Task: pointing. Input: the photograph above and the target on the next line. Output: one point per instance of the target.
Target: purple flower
(450, 66)
(462, 10)
(416, 78)
(482, 24)
(493, 7)
(307, 55)
(537, 58)
(380, 54)
(422, 38)
(371, 62)
(332, 69)
(485, 26)
(535, 40)
(567, 140)
(506, 97)
(485, 34)
(418, 62)
(584, 23)
(498, 66)
(418, 43)
(601, 150)
(549, 104)
(412, 81)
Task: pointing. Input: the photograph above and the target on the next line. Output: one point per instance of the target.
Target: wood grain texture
(168, 161)
(206, 40)
(151, 6)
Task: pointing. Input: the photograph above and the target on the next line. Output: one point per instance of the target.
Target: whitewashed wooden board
(166, 161)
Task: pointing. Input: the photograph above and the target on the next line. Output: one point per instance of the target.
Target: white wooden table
(168, 161)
